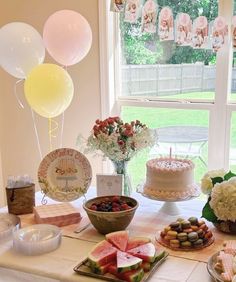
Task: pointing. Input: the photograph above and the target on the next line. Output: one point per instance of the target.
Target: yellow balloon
(49, 90)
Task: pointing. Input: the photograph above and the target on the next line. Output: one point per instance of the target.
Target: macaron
(172, 234)
(200, 233)
(188, 230)
(198, 243)
(185, 224)
(175, 225)
(193, 220)
(193, 236)
(180, 219)
(186, 244)
(203, 227)
(200, 222)
(174, 243)
(194, 227)
(182, 236)
(166, 229)
(208, 235)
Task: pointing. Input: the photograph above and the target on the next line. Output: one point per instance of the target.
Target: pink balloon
(67, 36)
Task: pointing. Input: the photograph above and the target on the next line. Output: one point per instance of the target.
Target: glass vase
(121, 168)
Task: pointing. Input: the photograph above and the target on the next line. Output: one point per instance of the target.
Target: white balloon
(21, 48)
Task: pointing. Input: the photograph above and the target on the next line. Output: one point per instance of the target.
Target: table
(185, 140)
(58, 265)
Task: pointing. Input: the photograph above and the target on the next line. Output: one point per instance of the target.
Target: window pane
(154, 69)
(191, 144)
(232, 155)
(233, 85)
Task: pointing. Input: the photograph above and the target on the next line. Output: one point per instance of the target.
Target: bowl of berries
(110, 213)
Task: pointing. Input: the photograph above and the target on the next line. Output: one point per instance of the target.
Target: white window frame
(220, 110)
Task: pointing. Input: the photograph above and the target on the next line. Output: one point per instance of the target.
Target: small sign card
(109, 184)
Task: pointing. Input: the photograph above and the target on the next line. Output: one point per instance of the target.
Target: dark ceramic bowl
(106, 222)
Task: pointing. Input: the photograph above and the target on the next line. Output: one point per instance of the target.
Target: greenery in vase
(117, 140)
(220, 186)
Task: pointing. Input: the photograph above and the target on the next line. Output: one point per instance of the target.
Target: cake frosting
(170, 179)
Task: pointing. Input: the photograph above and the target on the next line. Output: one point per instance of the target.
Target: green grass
(158, 117)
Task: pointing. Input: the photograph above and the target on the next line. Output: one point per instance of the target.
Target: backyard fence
(162, 80)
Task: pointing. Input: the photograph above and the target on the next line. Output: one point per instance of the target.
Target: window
(172, 90)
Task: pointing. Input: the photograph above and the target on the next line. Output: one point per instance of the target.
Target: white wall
(18, 141)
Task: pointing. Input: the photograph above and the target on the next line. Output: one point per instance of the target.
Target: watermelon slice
(135, 275)
(126, 262)
(146, 266)
(146, 252)
(101, 269)
(119, 239)
(112, 268)
(101, 254)
(132, 276)
(136, 242)
(159, 255)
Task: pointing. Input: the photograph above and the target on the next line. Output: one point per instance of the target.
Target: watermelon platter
(122, 258)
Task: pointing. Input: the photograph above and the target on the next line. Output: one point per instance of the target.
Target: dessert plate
(64, 175)
(164, 244)
(211, 270)
(37, 239)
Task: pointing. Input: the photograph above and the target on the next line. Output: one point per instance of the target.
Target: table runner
(148, 221)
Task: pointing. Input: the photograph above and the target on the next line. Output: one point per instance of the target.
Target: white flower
(206, 182)
(223, 200)
(119, 141)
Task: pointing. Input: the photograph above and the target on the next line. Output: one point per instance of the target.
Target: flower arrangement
(117, 140)
(220, 186)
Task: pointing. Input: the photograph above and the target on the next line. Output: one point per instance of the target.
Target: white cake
(170, 179)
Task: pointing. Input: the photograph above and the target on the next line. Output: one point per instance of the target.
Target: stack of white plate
(37, 239)
(8, 224)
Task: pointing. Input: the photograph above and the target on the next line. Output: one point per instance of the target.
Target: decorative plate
(64, 175)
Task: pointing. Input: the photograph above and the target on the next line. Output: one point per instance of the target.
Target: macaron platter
(190, 234)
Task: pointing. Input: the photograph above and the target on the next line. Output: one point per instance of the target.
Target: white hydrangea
(223, 200)
(206, 182)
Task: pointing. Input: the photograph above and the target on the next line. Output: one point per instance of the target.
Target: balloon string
(37, 136)
(51, 130)
(62, 127)
(16, 95)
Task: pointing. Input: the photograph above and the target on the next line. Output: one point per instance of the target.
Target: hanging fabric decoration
(219, 33)
(200, 33)
(117, 5)
(166, 24)
(183, 30)
(149, 16)
(132, 11)
(234, 31)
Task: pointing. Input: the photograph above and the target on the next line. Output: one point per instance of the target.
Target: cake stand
(169, 207)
